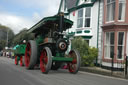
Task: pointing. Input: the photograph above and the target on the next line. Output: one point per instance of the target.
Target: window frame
(110, 3)
(123, 2)
(121, 45)
(108, 45)
(84, 12)
(87, 18)
(78, 18)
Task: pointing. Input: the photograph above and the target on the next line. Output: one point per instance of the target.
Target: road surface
(10, 74)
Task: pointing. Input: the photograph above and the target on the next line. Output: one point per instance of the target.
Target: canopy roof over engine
(48, 23)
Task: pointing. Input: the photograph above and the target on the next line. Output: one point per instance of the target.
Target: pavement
(105, 72)
(10, 74)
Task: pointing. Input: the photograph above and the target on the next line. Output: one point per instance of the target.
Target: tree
(2, 44)
(4, 31)
(22, 35)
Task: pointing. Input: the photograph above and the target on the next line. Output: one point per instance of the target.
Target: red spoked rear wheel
(74, 66)
(27, 55)
(31, 54)
(45, 60)
(21, 61)
(16, 61)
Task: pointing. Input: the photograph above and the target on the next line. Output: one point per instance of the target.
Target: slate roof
(70, 3)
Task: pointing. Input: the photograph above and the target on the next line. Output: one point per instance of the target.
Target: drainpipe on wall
(98, 29)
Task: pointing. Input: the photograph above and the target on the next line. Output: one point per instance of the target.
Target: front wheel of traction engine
(31, 54)
(45, 60)
(74, 66)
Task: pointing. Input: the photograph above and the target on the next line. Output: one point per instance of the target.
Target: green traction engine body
(19, 53)
(50, 44)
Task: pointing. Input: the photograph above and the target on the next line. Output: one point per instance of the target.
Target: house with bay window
(84, 14)
(115, 31)
(87, 16)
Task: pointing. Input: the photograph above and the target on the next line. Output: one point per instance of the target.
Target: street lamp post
(7, 39)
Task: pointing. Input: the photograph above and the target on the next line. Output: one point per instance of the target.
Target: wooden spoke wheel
(31, 54)
(74, 66)
(16, 61)
(45, 60)
(21, 61)
(27, 55)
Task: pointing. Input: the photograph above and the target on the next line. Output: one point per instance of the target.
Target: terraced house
(115, 32)
(103, 24)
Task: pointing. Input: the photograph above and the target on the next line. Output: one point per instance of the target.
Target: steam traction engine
(49, 46)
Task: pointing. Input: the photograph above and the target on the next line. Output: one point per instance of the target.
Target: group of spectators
(7, 54)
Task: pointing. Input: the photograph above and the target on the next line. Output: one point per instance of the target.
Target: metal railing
(118, 68)
(126, 67)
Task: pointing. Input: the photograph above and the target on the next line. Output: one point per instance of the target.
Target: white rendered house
(84, 14)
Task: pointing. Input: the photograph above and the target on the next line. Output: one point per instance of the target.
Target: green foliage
(89, 59)
(81, 45)
(22, 35)
(2, 44)
(88, 54)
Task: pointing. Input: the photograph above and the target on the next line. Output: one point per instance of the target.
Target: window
(109, 44)
(110, 10)
(87, 17)
(120, 50)
(80, 18)
(84, 17)
(121, 9)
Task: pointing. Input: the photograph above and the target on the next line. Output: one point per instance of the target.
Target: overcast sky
(19, 14)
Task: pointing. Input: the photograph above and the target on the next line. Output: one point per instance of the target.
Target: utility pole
(7, 39)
